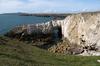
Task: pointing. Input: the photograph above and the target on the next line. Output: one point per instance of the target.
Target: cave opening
(57, 33)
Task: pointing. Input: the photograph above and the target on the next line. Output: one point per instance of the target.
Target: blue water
(7, 22)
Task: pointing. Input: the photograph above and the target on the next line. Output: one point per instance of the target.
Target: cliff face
(41, 27)
(82, 29)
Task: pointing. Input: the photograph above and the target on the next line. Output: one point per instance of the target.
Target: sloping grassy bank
(16, 53)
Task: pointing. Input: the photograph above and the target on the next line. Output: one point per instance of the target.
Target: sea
(7, 22)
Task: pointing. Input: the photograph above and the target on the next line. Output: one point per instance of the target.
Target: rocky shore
(82, 31)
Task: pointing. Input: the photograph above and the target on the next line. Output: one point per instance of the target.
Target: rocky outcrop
(82, 29)
(42, 34)
(51, 27)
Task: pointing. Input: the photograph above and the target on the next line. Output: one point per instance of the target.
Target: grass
(16, 53)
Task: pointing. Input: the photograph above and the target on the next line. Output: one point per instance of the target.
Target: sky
(48, 6)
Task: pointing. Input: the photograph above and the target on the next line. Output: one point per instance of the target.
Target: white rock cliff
(82, 28)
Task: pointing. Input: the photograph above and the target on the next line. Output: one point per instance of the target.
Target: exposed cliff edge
(82, 29)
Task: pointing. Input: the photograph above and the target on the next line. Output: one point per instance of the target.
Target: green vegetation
(16, 53)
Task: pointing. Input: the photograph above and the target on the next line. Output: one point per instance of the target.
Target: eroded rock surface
(82, 29)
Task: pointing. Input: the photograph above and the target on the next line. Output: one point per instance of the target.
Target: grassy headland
(17, 53)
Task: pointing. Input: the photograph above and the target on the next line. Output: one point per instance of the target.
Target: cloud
(34, 6)
(9, 5)
(28, 6)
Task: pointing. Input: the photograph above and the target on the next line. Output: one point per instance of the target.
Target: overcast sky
(48, 6)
